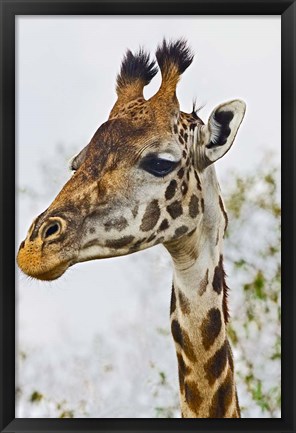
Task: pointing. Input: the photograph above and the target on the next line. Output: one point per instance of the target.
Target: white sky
(66, 70)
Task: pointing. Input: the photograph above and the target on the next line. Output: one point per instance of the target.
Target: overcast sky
(66, 70)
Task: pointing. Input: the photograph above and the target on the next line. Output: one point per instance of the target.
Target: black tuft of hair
(177, 53)
(196, 109)
(136, 66)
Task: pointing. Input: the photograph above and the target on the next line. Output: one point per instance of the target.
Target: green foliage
(36, 397)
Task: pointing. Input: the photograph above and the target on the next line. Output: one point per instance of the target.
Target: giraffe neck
(198, 322)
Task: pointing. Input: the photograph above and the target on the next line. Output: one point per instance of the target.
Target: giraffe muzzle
(42, 255)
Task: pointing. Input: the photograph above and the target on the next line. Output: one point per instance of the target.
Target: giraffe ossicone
(147, 177)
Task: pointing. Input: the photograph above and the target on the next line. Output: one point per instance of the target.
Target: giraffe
(147, 177)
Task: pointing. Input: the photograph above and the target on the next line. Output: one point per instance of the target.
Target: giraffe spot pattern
(175, 209)
(219, 275)
(151, 237)
(182, 338)
(203, 284)
(91, 243)
(180, 173)
(151, 216)
(215, 365)
(211, 327)
(173, 300)
(136, 245)
(193, 206)
(222, 398)
(119, 243)
(198, 183)
(181, 231)
(164, 225)
(135, 210)
(183, 370)
(116, 223)
(184, 303)
(223, 212)
(171, 189)
(192, 396)
(202, 202)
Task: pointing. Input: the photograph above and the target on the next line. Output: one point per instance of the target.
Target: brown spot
(219, 284)
(185, 136)
(171, 189)
(175, 209)
(203, 284)
(215, 365)
(224, 212)
(219, 276)
(181, 231)
(22, 245)
(151, 237)
(192, 396)
(151, 216)
(184, 153)
(116, 223)
(91, 243)
(222, 399)
(119, 243)
(175, 129)
(217, 237)
(202, 202)
(182, 132)
(164, 225)
(211, 327)
(193, 206)
(173, 300)
(136, 245)
(182, 370)
(197, 180)
(180, 173)
(184, 303)
(181, 140)
(182, 338)
(135, 211)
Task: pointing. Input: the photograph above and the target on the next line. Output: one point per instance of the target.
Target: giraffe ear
(221, 129)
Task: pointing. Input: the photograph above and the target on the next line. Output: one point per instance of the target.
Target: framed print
(146, 151)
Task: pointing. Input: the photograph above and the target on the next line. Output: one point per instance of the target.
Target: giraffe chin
(46, 275)
(52, 274)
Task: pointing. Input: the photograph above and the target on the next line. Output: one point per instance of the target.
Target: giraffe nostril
(51, 230)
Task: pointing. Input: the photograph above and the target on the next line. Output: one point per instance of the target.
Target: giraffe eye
(159, 167)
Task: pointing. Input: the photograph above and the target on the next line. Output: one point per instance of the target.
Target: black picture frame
(9, 9)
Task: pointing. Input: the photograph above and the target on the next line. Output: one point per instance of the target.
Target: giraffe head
(139, 181)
